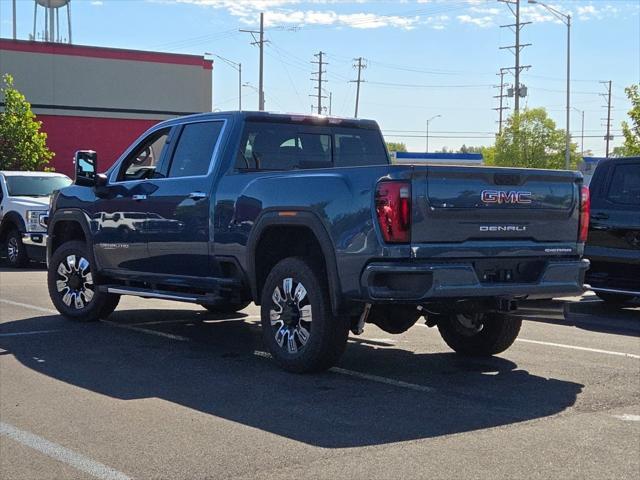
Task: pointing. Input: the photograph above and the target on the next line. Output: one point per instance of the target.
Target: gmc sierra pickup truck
(306, 217)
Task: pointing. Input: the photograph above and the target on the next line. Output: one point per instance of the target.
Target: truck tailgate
(494, 206)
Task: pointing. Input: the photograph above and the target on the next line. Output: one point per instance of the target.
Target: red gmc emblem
(498, 196)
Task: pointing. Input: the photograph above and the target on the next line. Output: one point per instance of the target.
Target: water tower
(51, 30)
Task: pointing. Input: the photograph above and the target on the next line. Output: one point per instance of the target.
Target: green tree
(530, 139)
(470, 149)
(396, 147)
(631, 133)
(22, 145)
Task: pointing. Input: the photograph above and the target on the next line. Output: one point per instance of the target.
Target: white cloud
(282, 12)
(97, 3)
(482, 22)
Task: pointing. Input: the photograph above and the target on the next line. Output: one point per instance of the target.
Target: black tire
(226, 308)
(15, 250)
(326, 335)
(76, 279)
(614, 298)
(493, 333)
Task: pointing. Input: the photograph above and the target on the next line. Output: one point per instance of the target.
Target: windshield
(29, 186)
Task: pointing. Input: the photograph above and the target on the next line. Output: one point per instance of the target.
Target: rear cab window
(624, 188)
(289, 146)
(193, 154)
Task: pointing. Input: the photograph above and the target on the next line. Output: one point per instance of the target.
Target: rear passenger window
(625, 185)
(270, 146)
(194, 151)
(359, 147)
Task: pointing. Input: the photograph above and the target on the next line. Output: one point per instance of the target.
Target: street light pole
(566, 19)
(428, 121)
(236, 66)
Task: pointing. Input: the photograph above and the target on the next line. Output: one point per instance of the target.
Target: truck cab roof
(258, 116)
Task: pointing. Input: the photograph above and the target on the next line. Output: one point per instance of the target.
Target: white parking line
(61, 453)
(575, 347)
(32, 307)
(366, 376)
(627, 417)
(146, 330)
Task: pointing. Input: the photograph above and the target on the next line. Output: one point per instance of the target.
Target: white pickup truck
(24, 206)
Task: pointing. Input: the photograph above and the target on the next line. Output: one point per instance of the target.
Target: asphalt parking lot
(168, 390)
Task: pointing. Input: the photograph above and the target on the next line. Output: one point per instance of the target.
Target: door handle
(197, 195)
(599, 216)
(139, 197)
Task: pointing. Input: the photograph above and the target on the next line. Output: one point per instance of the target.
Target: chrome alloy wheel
(75, 282)
(13, 249)
(290, 315)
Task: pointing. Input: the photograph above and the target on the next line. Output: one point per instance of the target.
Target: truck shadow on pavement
(587, 314)
(216, 372)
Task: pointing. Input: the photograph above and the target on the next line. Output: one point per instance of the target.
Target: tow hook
(359, 328)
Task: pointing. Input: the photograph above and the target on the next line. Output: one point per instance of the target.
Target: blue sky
(424, 57)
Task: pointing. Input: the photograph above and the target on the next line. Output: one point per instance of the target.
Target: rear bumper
(419, 282)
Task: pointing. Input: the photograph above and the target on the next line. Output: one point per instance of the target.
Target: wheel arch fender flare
(69, 215)
(296, 218)
(9, 220)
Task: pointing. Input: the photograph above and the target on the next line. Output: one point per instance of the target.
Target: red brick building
(103, 98)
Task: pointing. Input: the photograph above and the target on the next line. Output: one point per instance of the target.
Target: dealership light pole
(566, 19)
(581, 112)
(238, 67)
(429, 121)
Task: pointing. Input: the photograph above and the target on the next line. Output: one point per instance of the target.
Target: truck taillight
(585, 210)
(393, 208)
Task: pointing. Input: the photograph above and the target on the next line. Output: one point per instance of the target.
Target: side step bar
(140, 292)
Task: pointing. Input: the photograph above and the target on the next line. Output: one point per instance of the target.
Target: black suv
(613, 245)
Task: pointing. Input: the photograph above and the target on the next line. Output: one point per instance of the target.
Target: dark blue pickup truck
(306, 217)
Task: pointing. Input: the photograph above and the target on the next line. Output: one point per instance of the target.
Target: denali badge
(503, 228)
(498, 196)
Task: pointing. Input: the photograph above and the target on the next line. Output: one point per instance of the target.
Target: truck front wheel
(15, 250)
(479, 334)
(299, 328)
(70, 279)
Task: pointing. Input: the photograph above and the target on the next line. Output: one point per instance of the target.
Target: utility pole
(518, 90)
(330, 101)
(607, 96)
(319, 73)
(501, 96)
(360, 65)
(260, 42)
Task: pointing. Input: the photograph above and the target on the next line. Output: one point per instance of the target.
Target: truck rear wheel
(72, 288)
(479, 334)
(298, 326)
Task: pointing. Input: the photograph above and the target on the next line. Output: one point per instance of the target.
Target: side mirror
(86, 162)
